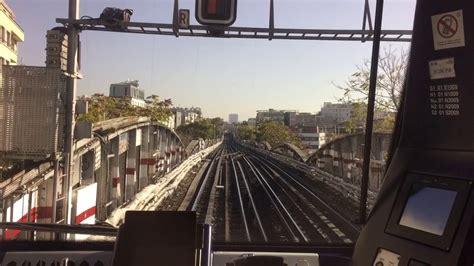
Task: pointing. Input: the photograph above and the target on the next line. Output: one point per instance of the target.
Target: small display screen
(428, 208)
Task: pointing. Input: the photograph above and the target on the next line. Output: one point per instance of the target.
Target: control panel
(386, 258)
(424, 213)
(264, 258)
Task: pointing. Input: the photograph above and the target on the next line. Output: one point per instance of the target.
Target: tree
(383, 122)
(218, 124)
(205, 129)
(357, 119)
(276, 133)
(157, 110)
(391, 74)
(391, 71)
(104, 108)
(246, 132)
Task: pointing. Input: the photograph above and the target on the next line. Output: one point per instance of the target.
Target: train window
(263, 140)
(419, 214)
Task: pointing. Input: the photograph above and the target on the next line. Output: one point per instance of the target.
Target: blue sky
(221, 76)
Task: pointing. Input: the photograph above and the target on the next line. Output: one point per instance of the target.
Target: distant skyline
(233, 118)
(221, 76)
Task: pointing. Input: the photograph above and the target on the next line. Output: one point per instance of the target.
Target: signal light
(212, 7)
(216, 12)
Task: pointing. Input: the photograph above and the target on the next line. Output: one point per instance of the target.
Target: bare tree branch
(392, 67)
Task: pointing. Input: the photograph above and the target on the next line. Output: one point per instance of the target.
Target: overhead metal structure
(270, 33)
(243, 32)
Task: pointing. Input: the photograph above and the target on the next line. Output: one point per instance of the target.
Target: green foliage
(272, 132)
(276, 133)
(104, 108)
(6, 163)
(246, 132)
(385, 124)
(218, 126)
(157, 110)
(358, 117)
(383, 121)
(205, 129)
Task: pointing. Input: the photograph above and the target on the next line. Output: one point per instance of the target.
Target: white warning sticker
(442, 68)
(448, 30)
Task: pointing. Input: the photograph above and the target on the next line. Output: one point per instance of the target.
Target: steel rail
(309, 208)
(254, 208)
(227, 202)
(310, 217)
(197, 199)
(242, 209)
(323, 203)
(279, 206)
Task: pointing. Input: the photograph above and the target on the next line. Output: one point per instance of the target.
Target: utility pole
(73, 43)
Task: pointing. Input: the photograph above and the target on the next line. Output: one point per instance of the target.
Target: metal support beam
(55, 188)
(271, 22)
(370, 112)
(73, 33)
(245, 32)
(175, 18)
(366, 17)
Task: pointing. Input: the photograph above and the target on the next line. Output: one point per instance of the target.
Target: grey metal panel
(31, 102)
(83, 130)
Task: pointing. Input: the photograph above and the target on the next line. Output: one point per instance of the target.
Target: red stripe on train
(85, 214)
(35, 214)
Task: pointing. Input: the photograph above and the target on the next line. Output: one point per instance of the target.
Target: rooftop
(7, 9)
(133, 82)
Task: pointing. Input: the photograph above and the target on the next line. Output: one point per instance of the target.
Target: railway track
(248, 197)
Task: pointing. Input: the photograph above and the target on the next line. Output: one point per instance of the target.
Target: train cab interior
(423, 215)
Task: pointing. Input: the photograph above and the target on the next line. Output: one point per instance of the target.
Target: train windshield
(253, 115)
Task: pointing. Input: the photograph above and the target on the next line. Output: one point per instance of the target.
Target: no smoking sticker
(448, 30)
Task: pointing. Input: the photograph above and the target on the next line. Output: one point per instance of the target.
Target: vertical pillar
(55, 188)
(145, 157)
(130, 171)
(43, 201)
(176, 149)
(183, 153)
(73, 43)
(161, 151)
(172, 150)
(161, 142)
(122, 175)
(179, 154)
(370, 112)
(168, 152)
(3, 218)
(114, 172)
(103, 182)
(154, 143)
(8, 232)
(75, 172)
